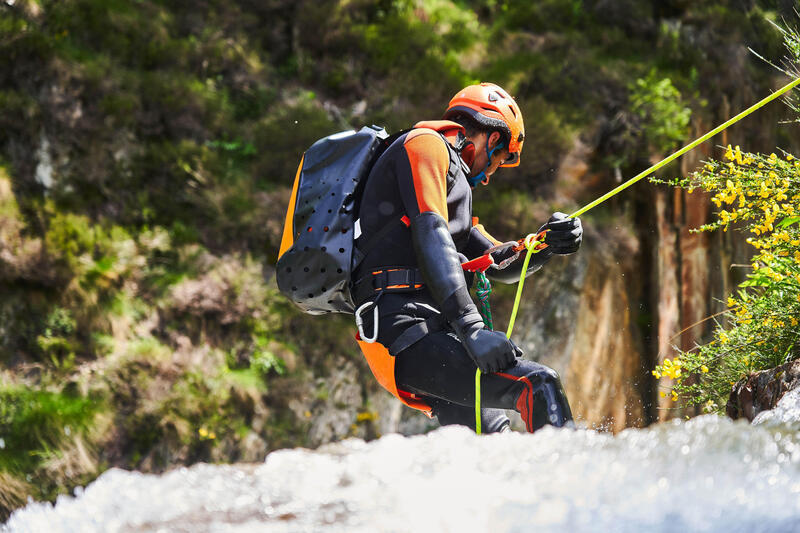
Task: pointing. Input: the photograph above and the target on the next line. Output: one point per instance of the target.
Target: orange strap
(381, 363)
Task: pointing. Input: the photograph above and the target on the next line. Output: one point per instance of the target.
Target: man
(429, 337)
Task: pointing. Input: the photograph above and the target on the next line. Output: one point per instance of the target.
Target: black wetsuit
(419, 172)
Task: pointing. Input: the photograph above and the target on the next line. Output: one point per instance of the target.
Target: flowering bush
(761, 196)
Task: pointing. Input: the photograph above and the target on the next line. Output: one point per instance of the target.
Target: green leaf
(788, 221)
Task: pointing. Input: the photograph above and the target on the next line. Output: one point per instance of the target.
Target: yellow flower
(704, 369)
(674, 396)
(657, 374)
(723, 337)
(789, 157)
(729, 154)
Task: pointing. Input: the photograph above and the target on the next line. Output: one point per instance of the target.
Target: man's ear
(494, 138)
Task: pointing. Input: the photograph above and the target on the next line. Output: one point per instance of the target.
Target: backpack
(318, 254)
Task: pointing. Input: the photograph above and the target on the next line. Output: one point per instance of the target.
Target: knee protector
(542, 401)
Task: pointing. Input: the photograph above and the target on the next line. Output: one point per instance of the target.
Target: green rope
(530, 240)
(483, 289)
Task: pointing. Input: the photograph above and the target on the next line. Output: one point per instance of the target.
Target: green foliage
(761, 195)
(658, 103)
(34, 424)
(56, 341)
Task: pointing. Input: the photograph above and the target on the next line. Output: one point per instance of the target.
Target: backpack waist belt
(387, 279)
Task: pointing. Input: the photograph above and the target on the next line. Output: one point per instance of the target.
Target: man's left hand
(564, 234)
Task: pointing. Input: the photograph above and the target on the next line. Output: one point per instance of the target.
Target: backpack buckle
(360, 321)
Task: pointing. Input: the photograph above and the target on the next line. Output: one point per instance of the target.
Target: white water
(708, 474)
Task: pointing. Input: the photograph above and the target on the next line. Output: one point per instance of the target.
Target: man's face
(482, 157)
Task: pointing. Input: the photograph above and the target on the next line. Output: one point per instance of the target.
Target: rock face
(761, 391)
(604, 366)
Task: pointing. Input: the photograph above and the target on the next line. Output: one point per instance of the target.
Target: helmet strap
(482, 177)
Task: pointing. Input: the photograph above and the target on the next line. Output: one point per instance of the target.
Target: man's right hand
(491, 350)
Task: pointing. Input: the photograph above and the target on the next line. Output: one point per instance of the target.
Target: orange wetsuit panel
(429, 159)
(381, 363)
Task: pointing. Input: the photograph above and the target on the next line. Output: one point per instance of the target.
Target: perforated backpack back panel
(315, 271)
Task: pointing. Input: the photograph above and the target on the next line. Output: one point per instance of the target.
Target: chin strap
(482, 177)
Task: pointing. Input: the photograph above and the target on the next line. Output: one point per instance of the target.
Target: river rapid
(707, 474)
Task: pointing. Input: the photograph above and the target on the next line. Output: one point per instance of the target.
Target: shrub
(759, 195)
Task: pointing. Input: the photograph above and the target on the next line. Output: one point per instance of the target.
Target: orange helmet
(490, 105)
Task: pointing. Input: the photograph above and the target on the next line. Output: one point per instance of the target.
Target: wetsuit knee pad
(543, 401)
(553, 395)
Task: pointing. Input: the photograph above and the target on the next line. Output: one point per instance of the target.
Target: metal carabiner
(360, 322)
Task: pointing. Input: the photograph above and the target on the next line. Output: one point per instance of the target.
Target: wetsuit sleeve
(422, 174)
(479, 240)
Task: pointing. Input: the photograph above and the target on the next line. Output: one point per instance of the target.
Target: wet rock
(761, 391)
(786, 412)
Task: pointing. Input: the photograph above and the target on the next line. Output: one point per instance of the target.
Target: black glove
(564, 234)
(441, 269)
(491, 350)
